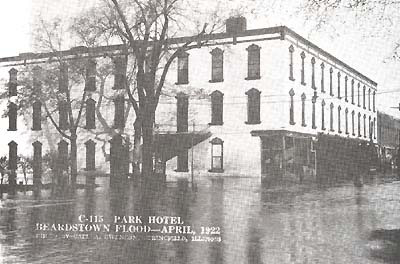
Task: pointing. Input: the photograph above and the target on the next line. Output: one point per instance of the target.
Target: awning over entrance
(169, 145)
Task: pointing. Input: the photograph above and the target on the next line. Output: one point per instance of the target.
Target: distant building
(388, 136)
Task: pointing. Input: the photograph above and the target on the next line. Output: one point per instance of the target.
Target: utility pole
(191, 165)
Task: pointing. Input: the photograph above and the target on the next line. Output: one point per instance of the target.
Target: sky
(346, 42)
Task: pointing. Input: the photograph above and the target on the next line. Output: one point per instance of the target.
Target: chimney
(235, 24)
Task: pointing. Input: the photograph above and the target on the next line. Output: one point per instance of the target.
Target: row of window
(331, 82)
(371, 122)
(63, 114)
(120, 67)
(217, 65)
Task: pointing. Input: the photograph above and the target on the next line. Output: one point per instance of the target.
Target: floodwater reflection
(279, 224)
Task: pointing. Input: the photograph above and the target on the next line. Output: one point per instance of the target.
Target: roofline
(282, 30)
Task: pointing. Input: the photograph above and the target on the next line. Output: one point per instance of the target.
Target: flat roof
(99, 51)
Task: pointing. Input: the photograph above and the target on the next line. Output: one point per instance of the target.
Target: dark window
(182, 161)
(323, 114)
(338, 85)
(291, 117)
(217, 155)
(346, 117)
(37, 115)
(120, 65)
(183, 68)
(313, 73)
(358, 95)
(373, 101)
(303, 110)
(90, 83)
(182, 108)
(37, 80)
(253, 106)
(12, 117)
(313, 101)
(365, 127)
(63, 115)
(339, 125)
(217, 107)
(62, 160)
(302, 56)
(331, 118)
(352, 91)
(90, 113)
(345, 88)
(359, 124)
(291, 50)
(63, 78)
(331, 81)
(374, 127)
(119, 112)
(217, 65)
(12, 83)
(253, 62)
(352, 123)
(322, 77)
(370, 127)
(369, 99)
(364, 97)
(90, 155)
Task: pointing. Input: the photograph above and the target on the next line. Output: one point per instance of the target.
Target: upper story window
(291, 50)
(183, 68)
(352, 91)
(217, 155)
(217, 108)
(90, 84)
(36, 116)
(331, 81)
(373, 101)
(345, 88)
(303, 56)
(182, 107)
(369, 99)
(253, 106)
(12, 117)
(313, 73)
(90, 114)
(217, 65)
(63, 115)
(119, 72)
(358, 95)
(253, 62)
(364, 97)
(119, 112)
(338, 85)
(291, 114)
(313, 101)
(63, 78)
(12, 83)
(322, 77)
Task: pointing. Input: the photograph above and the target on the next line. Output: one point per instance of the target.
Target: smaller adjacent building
(388, 138)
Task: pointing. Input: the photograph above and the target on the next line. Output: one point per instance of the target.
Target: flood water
(280, 224)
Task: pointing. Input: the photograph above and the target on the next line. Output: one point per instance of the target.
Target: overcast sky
(364, 53)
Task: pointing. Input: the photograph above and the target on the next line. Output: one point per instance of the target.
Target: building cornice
(282, 31)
